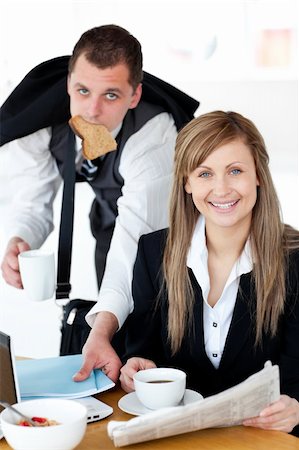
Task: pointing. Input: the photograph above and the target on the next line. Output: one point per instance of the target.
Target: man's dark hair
(107, 46)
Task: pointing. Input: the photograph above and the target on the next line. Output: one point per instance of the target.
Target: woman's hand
(282, 415)
(132, 366)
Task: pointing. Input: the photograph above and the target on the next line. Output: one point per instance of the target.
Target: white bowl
(71, 415)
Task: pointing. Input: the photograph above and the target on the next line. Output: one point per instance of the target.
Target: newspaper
(225, 409)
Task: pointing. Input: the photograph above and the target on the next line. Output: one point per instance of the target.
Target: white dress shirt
(146, 166)
(217, 319)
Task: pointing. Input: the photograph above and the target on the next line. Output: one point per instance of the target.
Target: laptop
(9, 386)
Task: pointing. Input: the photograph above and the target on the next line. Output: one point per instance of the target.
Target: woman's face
(224, 186)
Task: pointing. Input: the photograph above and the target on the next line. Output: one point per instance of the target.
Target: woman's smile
(224, 207)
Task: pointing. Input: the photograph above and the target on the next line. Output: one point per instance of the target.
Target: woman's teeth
(223, 205)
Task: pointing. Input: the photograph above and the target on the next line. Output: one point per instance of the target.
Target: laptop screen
(9, 391)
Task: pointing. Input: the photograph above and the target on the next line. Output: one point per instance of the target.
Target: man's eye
(83, 91)
(111, 96)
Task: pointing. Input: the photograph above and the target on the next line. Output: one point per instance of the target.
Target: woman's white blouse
(217, 319)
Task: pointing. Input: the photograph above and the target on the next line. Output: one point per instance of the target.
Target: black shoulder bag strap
(66, 221)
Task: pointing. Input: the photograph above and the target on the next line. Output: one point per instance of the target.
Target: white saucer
(130, 404)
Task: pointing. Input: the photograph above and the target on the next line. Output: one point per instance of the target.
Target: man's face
(101, 96)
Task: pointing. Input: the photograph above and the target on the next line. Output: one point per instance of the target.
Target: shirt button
(214, 355)
(214, 324)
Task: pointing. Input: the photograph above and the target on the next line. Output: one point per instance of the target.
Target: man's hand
(10, 263)
(132, 366)
(98, 352)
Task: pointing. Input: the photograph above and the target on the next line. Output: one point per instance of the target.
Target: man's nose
(95, 107)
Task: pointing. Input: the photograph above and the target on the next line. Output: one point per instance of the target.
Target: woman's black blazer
(147, 328)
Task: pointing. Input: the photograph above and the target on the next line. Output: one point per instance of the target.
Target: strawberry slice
(39, 419)
(24, 423)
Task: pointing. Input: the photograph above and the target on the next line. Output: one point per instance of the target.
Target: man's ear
(136, 97)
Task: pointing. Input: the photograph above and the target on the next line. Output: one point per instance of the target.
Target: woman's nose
(221, 186)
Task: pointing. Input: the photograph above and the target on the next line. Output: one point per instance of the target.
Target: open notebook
(10, 385)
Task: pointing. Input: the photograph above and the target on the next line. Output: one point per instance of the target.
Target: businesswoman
(217, 293)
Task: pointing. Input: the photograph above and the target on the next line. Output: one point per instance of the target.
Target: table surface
(238, 438)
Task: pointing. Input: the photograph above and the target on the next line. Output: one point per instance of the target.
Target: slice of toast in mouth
(97, 140)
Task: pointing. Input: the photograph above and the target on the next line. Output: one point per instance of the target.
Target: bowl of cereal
(60, 424)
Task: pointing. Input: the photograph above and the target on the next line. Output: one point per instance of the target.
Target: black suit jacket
(147, 328)
(41, 100)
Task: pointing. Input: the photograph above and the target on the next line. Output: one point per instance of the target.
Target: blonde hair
(270, 239)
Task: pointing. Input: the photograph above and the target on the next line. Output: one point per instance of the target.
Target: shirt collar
(116, 130)
(198, 249)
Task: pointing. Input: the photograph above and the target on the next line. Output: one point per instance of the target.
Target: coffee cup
(37, 269)
(160, 387)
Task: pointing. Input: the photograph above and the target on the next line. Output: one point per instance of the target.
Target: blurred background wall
(229, 54)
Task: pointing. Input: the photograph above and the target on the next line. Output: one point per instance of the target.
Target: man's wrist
(105, 325)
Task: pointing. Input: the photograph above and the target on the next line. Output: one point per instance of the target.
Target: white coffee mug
(160, 387)
(37, 269)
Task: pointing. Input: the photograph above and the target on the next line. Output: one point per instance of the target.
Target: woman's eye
(111, 96)
(235, 171)
(204, 175)
(83, 91)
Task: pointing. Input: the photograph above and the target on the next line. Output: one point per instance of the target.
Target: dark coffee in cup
(160, 381)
